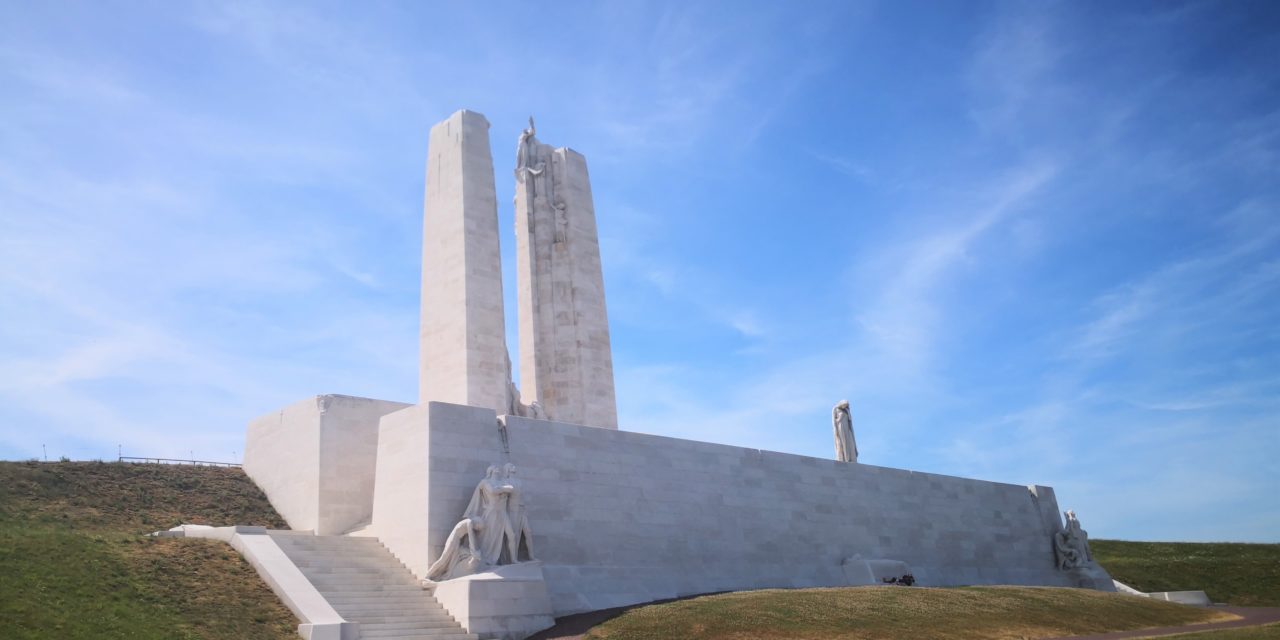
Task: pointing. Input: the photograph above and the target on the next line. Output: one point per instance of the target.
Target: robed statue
(842, 425)
(1071, 545)
(493, 529)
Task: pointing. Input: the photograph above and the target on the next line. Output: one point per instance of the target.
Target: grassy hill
(1246, 575)
(75, 565)
(892, 613)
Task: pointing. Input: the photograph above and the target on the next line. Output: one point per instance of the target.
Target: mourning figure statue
(1071, 545)
(842, 425)
(491, 531)
(518, 518)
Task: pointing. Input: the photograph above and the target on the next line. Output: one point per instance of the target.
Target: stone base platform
(509, 602)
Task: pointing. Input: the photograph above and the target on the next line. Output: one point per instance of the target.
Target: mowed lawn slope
(1245, 575)
(893, 613)
(74, 562)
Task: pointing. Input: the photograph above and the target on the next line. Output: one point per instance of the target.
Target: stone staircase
(364, 583)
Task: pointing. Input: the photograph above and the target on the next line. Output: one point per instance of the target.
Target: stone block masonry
(622, 517)
(566, 361)
(463, 356)
(315, 460)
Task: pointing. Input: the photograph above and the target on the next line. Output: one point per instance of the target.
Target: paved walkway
(1250, 617)
(575, 626)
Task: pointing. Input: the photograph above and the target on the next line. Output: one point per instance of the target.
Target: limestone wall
(400, 491)
(462, 337)
(621, 517)
(315, 460)
(282, 456)
(566, 362)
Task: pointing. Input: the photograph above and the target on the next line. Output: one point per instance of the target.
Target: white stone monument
(566, 362)
(463, 342)
(616, 517)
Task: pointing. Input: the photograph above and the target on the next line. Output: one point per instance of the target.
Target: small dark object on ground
(904, 581)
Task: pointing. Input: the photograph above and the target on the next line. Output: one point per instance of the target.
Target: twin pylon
(566, 362)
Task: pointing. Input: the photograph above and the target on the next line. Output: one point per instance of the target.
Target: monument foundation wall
(620, 517)
(315, 460)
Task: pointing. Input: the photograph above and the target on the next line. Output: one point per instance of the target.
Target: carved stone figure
(1080, 535)
(456, 561)
(485, 526)
(493, 528)
(526, 151)
(842, 425)
(518, 518)
(488, 514)
(536, 411)
(1071, 545)
(1065, 551)
(515, 405)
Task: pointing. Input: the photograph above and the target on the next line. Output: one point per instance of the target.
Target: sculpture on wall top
(527, 152)
(532, 159)
(842, 425)
(1071, 545)
(493, 526)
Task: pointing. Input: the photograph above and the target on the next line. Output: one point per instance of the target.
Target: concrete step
(403, 633)
(354, 569)
(415, 607)
(408, 619)
(432, 635)
(349, 563)
(319, 578)
(365, 583)
(394, 624)
(322, 556)
(404, 597)
(330, 583)
(338, 556)
(405, 624)
(308, 547)
(378, 606)
(338, 587)
(369, 588)
(311, 548)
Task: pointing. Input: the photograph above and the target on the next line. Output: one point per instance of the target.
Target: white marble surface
(315, 460)
(508, 602)
(566, 360)
(401, 496)
(622, 517)
(463, 350)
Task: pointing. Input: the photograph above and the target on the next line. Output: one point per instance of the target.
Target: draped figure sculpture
(484, 525)
(1071, 545)
(491, 531)
(842, 425)
(518, 518)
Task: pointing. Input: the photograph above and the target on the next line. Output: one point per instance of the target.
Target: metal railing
(209, 463)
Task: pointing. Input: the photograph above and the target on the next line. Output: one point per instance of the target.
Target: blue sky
(1030, 242)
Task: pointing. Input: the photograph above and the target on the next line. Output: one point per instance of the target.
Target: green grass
(1246, 575)
(74, 562)
(873, 613)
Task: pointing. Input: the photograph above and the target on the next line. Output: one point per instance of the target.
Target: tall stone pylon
(566, 361)
(463, 358)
